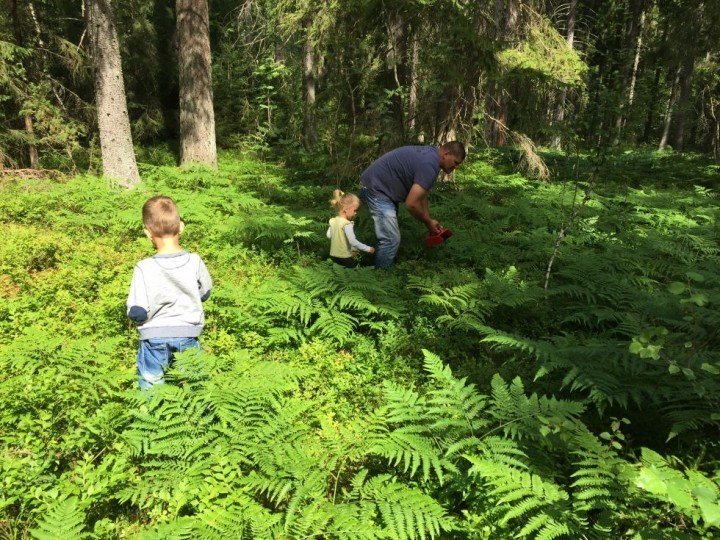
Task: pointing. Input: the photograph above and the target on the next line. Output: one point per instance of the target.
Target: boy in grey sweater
(166, 293)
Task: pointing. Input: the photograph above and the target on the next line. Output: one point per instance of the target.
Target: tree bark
(32, 148)
(636, 62)
(496, 98)
(20, 40)
(559, 114)
(655, 89)
(118, 155)
(395, 72)
(682, 106)
(197, 115)
(669, 111)
(629, 68)
(413, 85)
(309, 133)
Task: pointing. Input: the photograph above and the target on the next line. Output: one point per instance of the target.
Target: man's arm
(417, 204)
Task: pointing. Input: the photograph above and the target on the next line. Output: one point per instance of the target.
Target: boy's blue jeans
(154, 357)
(387, 230)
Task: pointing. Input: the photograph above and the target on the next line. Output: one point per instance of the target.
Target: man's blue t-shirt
(393, 174)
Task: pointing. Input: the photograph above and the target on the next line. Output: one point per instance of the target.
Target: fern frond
(521, 494)
(406, 513)
(524, 416)
(183, 528)
(598, 475)
(499, 339)
(336, 326)
(453, 403)
(64, 519)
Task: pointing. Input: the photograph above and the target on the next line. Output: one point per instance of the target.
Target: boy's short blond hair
(161, 217)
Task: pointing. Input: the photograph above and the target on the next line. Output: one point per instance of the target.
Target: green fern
(321, 301)
(534, 416)
(522, 496)
(406, 513)
(600, 479)
(64, 519)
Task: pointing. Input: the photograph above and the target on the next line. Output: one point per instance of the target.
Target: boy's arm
(138, 305)
(204, 281)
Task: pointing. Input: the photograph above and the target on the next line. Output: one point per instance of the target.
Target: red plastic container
(432, 240)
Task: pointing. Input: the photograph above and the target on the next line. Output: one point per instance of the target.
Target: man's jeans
(384, 214)
(154, 356)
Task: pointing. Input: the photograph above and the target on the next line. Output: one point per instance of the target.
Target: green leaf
(679, 497)
(650, 480)
(710, 511)
(695, 276)
(710, 368)
(699, 299)
(676, 287)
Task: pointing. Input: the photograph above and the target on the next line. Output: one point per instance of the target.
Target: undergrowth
(471, 391)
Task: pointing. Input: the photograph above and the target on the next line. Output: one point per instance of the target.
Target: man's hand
(433, 226)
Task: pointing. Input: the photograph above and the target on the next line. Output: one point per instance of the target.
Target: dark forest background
(348, 80)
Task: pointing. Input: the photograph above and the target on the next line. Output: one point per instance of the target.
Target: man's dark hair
(456, 148)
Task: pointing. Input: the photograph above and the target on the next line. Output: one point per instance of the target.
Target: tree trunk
(197, 115)
(413, 85)
(652, 106)
(559, 114)
(445, 128)
(506, 15)
(636, 62)
(309, 133)
(32, 149)
(669, 111)
(118, 155)
(628, 67)
(20, 40)
(689, 41)
(683, 105)
(655, 90)
(395, 74)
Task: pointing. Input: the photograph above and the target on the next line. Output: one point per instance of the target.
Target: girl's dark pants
(347, 262)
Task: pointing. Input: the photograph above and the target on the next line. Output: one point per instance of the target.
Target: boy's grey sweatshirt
(166, 295)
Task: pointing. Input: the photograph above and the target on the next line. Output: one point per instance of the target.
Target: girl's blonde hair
(340, 200)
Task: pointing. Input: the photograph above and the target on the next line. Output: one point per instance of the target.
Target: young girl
(341, 233)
